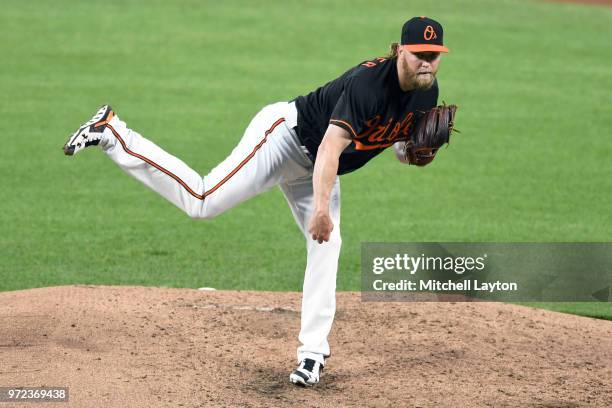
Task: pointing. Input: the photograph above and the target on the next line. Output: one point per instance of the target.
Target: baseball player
(302, 146)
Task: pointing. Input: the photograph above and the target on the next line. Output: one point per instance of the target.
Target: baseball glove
(432, 131)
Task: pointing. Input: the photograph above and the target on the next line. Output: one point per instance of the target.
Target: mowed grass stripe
(531, 164)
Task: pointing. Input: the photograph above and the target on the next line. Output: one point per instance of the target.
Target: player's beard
(424, 81)
(418, 81)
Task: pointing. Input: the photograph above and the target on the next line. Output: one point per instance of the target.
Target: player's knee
(197, 212)
(195, 215)
(200, 216)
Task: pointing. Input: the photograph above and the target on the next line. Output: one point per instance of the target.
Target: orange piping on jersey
(181, 182)
(361, 146)
(333, 121)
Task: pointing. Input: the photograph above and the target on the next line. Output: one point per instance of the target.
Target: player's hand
(321, 226)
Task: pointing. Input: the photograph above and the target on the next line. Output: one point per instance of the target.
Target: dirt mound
(151, 347)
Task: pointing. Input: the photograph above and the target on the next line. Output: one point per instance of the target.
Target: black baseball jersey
(369, 104)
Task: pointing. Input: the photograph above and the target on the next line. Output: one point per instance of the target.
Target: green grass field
(532, 162)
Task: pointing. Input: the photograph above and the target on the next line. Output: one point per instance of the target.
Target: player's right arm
(335, 140)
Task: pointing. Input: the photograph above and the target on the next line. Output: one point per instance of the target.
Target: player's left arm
(335, 140)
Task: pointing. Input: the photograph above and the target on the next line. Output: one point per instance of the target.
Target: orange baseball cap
(421, 34)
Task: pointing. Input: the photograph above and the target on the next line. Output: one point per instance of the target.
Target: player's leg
(268, 154)
(154, 167)
(319, 290)
(255, 165)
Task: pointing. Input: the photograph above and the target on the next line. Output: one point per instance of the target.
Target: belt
(307, 153)
(292, 121)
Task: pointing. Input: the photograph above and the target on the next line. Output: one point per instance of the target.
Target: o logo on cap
(429, 33)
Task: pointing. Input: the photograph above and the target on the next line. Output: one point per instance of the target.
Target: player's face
(418, 70)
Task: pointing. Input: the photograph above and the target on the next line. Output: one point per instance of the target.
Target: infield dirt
(152, 347)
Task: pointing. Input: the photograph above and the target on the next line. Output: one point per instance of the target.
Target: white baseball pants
(268, 154)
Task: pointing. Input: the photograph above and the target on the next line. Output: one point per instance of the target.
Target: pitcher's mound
(152, 347)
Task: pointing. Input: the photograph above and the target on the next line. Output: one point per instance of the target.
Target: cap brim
(425, 48)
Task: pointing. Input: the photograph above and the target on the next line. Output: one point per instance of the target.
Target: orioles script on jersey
(369, 104)
(381, 135)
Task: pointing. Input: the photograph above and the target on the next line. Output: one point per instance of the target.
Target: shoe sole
(299, 381)
(102, 117)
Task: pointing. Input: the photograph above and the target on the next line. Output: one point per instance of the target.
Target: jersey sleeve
(354, 108)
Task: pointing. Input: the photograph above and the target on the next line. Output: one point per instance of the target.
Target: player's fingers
(321, 235)
(318, 237)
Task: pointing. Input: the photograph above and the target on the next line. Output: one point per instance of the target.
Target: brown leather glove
(433, 130)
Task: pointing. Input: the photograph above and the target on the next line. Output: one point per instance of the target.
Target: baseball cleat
(307, 374)
(89, 133)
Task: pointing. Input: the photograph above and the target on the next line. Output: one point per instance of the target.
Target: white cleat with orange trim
(89, 133)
